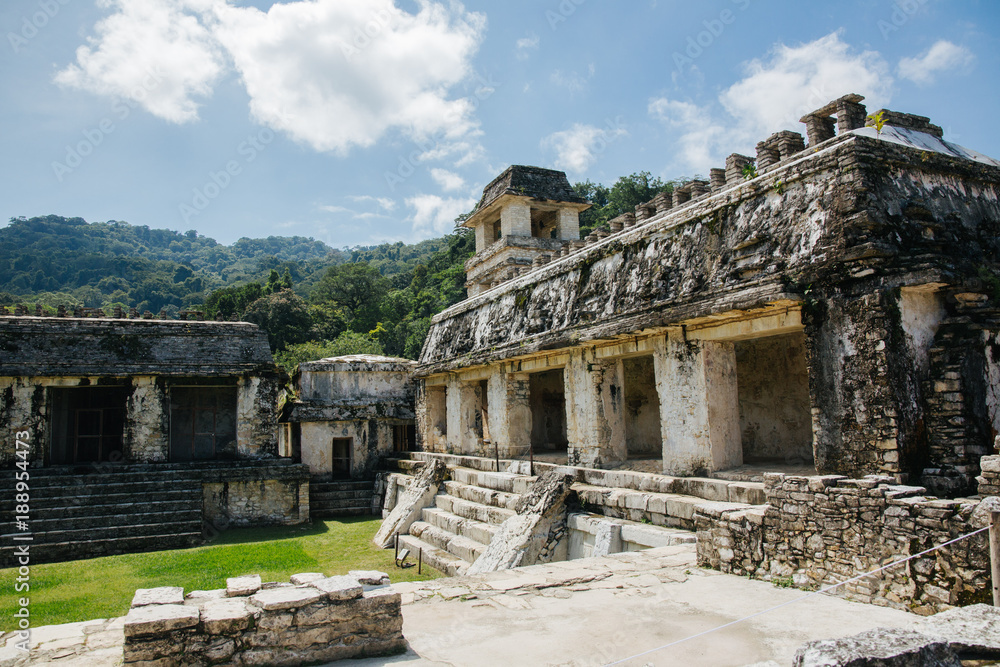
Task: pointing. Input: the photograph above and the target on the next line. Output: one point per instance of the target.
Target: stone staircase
(344, 498)
(466, 513)
(74, 515)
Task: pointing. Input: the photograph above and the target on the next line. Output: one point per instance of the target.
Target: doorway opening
(643, 439)
(547, 400)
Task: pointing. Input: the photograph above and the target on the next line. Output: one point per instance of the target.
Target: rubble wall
(817, 531)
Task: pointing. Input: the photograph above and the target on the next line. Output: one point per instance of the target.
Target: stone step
(43, 478)
(133, 488)
(100, 508)
(84, 535)
(470, 528)
(483, 496)
(41, 501)
(466, 549)
(440, 560)
(113, 518)
(407, 466)
(497, 481)
(472, 510)
(344, 485)
(364, 494)
(98, 547)
(628, 501)
(335, 512)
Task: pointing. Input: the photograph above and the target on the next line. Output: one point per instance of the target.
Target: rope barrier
(821, 591)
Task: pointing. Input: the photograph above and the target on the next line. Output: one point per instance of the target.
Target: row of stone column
(695, 383)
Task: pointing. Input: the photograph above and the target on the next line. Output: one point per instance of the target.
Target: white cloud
(941, 57)
(448, 180)
(525, 45)
(154, 52)
(434, 215)
(773, 94)
(578, 147)
(332, 75)
(383, 202)
(574, 81)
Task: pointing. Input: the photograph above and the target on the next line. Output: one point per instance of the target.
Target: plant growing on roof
(750, 170)
(876, 120)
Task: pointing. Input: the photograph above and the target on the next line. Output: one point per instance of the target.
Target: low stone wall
(989, 479)
(313, 619)
(817, 531)
(256, 496)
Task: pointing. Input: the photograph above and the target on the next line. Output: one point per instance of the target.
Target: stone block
(990, 464)
(161, 595)
(243, 586)
(370, 577)
(160, 618)
(340, 587)
(881, 647)
(277, 599)
(226, 616)
(306, 578)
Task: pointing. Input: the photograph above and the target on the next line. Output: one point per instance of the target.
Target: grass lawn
(103, 587)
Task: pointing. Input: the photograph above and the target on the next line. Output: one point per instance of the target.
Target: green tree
(357, 290)
(349, 342)
(284, 316)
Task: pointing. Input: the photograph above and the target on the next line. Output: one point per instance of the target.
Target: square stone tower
(526, 215)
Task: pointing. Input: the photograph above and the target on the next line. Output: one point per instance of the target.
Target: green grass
(103, 587)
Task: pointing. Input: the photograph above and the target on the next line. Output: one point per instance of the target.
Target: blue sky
(363, 121)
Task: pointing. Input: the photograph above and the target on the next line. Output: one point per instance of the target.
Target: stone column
(515, 219)
(595, 420)
(481, 241)
(510, 413)
(470, 418)
(256, 417)
(147, 422)
(453, 409)
(568, 224)
(699, 405)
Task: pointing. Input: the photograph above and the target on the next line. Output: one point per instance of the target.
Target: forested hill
(54, 260)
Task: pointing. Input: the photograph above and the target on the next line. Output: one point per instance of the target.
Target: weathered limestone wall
(817, 531)
(23, 408)
(147, 421)
(371, 438)
(314, 619)
(235, 499)
(773, 386)
(989, 477)
(508, 395)
(257, 416)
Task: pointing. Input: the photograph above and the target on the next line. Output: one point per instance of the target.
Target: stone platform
(589, 611)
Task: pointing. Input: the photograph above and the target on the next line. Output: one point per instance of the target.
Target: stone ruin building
(836, 311)
(350, 412)
(796, 343)
(142, 432)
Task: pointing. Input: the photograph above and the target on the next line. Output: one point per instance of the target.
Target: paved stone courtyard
(591, 611)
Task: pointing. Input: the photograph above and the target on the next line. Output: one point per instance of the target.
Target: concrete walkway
(591, 611)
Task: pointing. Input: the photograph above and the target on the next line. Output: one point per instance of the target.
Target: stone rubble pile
(311, 619)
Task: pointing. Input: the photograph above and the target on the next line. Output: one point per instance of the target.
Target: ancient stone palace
(830, 303)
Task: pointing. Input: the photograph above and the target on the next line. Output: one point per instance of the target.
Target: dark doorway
(548, 411)
(202, 423)
(88, 424)
(404, 437)
(341, 457)
(773, 390)
(642, 409)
